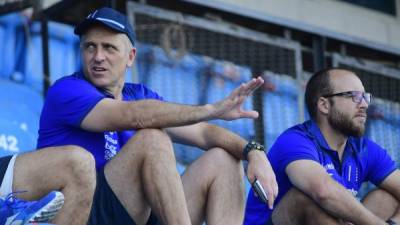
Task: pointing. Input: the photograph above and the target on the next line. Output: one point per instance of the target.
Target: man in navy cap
(128, 128)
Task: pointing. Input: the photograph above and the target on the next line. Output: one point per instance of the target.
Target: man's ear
(131, 57)
(323, 105)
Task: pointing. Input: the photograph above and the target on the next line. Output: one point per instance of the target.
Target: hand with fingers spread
(259, 168)
(230, 108)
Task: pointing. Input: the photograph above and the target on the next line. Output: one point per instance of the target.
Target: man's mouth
(98, 69)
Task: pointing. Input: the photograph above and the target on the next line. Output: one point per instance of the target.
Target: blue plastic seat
(15, 93)
(280, 105)
(175, 81)
(19, 117)
(10, 43)
(15, 137)
(63, 54)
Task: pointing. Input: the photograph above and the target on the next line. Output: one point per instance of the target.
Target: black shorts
(107, 209)
(269, 222)
(4, 161)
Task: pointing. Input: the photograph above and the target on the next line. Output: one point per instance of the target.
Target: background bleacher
(220, 59)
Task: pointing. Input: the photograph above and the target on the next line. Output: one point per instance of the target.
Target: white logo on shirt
(111, 144)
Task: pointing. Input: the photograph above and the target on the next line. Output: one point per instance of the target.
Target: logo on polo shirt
(111, 145)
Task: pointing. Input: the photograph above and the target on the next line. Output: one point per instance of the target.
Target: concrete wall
(338, 17)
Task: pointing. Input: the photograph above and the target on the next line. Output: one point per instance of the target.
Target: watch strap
(252, 145)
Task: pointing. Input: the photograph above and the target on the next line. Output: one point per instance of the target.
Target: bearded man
(321, 164)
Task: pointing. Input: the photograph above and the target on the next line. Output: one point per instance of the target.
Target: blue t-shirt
(363, 160)
(68, 102)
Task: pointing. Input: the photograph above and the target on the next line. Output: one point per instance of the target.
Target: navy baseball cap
(109, 18)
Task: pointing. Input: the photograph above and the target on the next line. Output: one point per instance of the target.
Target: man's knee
(151, 142)
(301, 208)
(220, 163)
(153, 136)
(381, 203)
(295, 197)
(222, 158)
(381, 197)
(78, 162)
(77, 156)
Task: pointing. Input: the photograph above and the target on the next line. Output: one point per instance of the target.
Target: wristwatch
(391, 222)
(252, 145)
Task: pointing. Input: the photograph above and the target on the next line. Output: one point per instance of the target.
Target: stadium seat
(383, 126)
(11, 25)
(175, 81)
(280, 105)
(19, 117)
(12, 92)
(15, 138)
(63, 54)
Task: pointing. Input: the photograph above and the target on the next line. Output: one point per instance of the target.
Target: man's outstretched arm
(111, 114)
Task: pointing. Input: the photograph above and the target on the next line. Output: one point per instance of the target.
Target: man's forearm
(158, 114)
(222, 138)
(341, 204)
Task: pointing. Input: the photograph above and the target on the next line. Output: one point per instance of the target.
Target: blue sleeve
(70, 99)
(134, 92)
(292, 145)
(380, 164)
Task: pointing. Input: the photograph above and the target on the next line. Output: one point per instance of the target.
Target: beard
(344, 123)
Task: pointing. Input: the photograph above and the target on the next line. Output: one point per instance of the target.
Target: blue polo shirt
(68, 102)
(363, 160)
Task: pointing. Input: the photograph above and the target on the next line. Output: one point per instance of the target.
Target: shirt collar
(316, 133)
(81, 75)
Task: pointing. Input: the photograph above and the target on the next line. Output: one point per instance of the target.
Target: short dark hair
(317, 86)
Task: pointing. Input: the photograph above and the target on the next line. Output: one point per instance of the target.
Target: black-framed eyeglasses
(356, 96)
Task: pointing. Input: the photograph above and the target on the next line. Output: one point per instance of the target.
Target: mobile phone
(260, 191)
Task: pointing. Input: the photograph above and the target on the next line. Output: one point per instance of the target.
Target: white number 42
(9, 143)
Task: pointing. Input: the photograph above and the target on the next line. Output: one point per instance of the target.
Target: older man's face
(106, 56)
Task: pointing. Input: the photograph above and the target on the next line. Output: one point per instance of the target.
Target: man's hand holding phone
(257, 187)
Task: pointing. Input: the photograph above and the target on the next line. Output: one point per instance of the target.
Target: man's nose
(364, 103)
(99, 55)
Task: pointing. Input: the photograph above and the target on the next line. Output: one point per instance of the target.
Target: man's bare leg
(381, 203)
(214, 189)
(68, 169)
(296, 208)
(143, 176)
